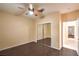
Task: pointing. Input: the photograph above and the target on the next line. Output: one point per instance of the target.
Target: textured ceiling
(49, 7)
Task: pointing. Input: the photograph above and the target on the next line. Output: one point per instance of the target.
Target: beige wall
(70, 16)
(54, 19)
(15, 30)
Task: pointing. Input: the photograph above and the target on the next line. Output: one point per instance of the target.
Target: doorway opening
(70, 36)
(44, 34)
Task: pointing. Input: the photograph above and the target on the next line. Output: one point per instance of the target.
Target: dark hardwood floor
(35, 49)
(45, 41)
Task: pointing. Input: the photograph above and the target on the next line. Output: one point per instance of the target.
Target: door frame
(42, 29)
(76, 31)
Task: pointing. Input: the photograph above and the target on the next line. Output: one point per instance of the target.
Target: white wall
(71, 43)
(54, 19)
(78, 36)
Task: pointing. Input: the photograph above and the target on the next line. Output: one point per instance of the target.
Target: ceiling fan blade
(20, 7)
(38, 12)
(26, 13)
(20, 12)
(41, 10)
(31, 9)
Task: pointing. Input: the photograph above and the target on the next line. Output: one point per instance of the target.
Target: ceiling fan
(31, 10)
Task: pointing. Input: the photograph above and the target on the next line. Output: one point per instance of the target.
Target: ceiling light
(30, 13)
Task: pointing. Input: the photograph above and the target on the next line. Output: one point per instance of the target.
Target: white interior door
(40, 31)
(70, 42)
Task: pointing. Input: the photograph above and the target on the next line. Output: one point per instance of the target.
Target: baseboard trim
(15, 46)
(56, 48)
(69, 47)
(78, 53)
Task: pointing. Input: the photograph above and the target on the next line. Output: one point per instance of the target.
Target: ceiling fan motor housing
(31, 9)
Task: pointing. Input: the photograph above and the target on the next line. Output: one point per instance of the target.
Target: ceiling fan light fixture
(32, 10)
(30, 13)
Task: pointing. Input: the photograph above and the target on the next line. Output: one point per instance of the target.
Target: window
(70, 31)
